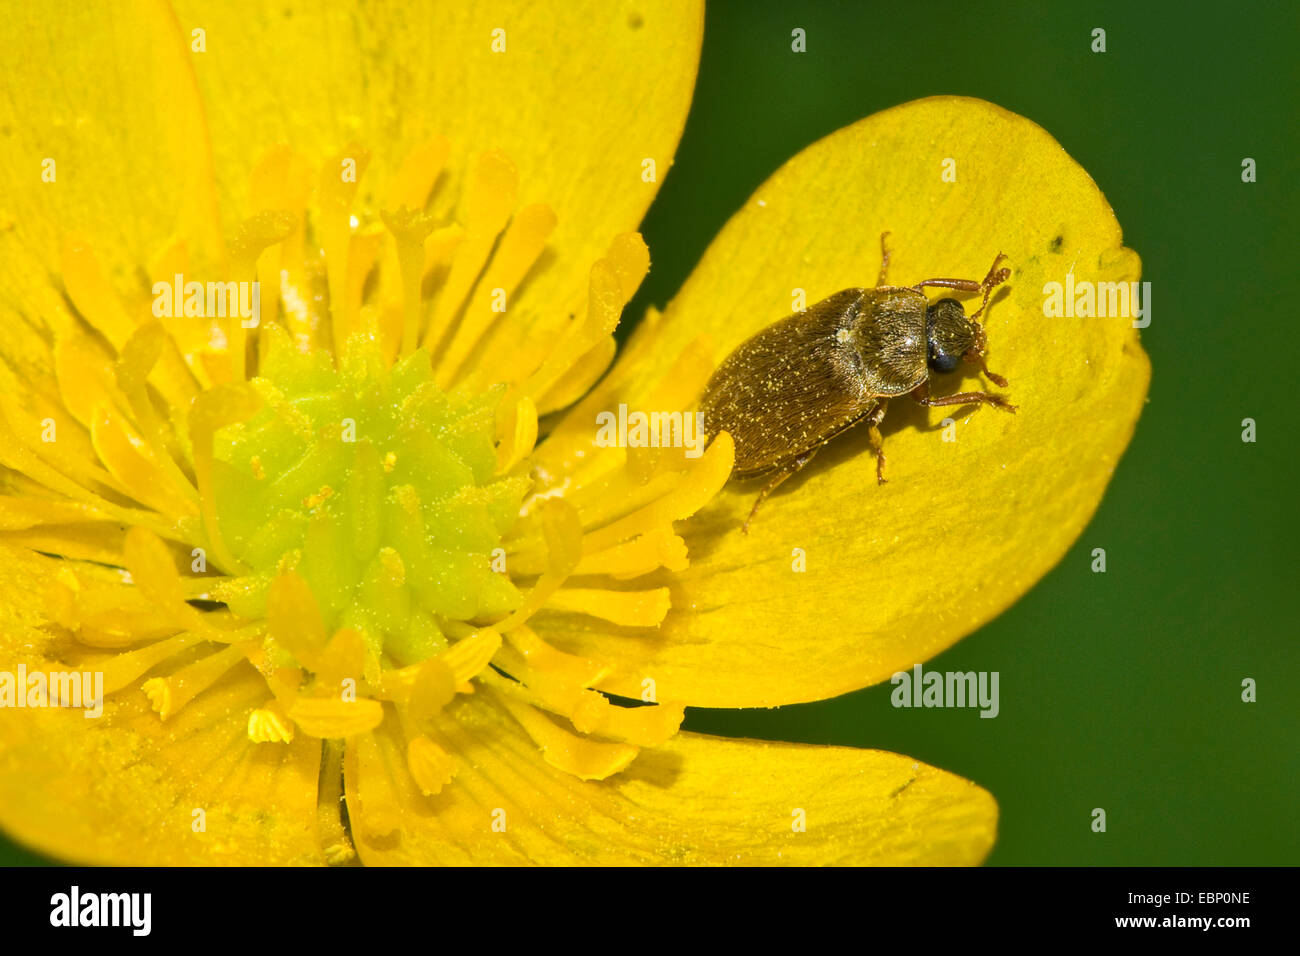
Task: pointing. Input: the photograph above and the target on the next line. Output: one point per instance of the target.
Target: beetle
(800, 382)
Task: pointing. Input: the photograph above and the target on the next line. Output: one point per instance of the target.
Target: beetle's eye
(943, 361)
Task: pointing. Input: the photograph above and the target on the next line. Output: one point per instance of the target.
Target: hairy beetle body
(792, 387)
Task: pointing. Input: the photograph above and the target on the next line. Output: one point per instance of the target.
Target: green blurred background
(1119, 690)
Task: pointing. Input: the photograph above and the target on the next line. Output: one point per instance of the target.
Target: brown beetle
(791, 388)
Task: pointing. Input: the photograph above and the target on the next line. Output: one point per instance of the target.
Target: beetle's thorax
(887, 338)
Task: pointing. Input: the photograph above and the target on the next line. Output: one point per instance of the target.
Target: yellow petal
(124, 788)
(894, 573)
(576, 127)
(113, 103)
(696, 800)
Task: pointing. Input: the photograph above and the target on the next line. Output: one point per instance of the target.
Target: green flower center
(376, 487)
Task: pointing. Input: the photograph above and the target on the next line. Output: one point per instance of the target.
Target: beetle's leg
(922, 395)
(991, 281)
(975, 358)
(875, 440)
(794, 466)
(961, 285)
(884, 260)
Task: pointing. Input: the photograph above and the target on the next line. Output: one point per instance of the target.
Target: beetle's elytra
(790, 389)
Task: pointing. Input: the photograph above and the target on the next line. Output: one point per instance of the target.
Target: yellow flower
(368, 547)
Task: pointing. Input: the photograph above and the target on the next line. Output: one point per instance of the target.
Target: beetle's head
(951, 337)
